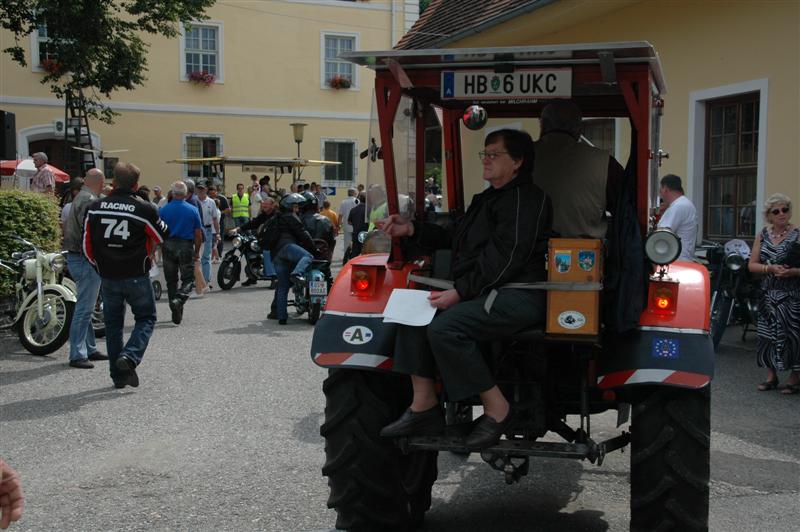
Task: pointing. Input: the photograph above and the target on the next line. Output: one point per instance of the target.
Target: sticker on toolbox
(563, 261)
(357, 335)
(571, 319)
(665, 348)
(586, 260)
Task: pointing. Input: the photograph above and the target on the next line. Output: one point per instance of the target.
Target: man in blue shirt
(182, 248)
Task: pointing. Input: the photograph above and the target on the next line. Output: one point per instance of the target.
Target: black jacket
(319, 227)
(120, 232)
(501, 239)
(292, 232)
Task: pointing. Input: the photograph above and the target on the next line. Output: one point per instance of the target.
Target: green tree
(95, 46)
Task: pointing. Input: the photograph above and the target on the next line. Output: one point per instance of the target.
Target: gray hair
(189, 185)
(40, 155)
(352, 192)
(772, 201)
(179, 189)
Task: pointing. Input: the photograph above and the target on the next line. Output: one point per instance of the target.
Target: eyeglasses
(491, 155)
(783, 210)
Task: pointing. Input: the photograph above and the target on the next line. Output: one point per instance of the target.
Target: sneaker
(297, 279)
(81, 364)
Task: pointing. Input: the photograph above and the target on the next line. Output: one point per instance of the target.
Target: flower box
(201, 78)
(339, 82)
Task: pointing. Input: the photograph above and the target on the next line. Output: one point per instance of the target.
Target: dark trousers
(450, 341)
(178, 259)
(137, 292)
(221, 235)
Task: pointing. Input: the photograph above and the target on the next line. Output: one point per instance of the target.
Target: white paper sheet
(409, 307)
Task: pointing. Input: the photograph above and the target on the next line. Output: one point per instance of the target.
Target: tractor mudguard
(673, 349)
(351, 332)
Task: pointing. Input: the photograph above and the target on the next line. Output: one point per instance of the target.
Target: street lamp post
(297, 130)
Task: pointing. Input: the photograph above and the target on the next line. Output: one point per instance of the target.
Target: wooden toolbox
(575, 260)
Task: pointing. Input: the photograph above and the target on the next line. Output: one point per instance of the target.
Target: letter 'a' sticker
(357, 335)
(571, 319)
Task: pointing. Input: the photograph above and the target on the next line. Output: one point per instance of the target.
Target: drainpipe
(394, 30)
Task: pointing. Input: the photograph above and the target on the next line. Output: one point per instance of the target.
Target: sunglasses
(783, 210)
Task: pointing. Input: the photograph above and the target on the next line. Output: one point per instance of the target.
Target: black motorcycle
(734, 290)
(245, 246)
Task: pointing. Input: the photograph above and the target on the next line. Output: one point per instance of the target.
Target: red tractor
(657, 370)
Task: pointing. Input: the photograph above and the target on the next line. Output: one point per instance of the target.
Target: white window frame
(36, 66)
(356, 71)
(185, 146)
(218, 24)
(696, 149)
(338, 183)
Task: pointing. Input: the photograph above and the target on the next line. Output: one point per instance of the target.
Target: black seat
(534, 334)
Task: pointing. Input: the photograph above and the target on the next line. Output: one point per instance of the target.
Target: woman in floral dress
(778, 346)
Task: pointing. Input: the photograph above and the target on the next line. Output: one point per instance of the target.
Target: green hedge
(32, 216)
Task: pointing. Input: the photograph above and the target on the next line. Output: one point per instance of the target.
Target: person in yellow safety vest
(240, 202)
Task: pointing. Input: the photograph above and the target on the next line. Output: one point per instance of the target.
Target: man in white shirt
(209, 215)
(680, 216)
(344, 211)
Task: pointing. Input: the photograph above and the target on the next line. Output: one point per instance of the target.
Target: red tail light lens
(663, 298)
(362, 281)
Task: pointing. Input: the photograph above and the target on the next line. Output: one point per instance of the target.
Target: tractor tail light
(363, 281)
(663, 298)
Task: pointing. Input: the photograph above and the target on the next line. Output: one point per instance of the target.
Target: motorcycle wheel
(98, 323)
(158, 290)
(228, 273)
(314, 312)
(720, 314)
(43, 340)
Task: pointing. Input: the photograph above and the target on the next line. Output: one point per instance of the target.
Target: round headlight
(57, 262)
(254, 245)
(237, 241)
(734, 262)
(662, 247)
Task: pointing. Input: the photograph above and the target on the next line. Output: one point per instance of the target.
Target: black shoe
(281, 322)
(82, 364)
(427, 423)
(272, 316)
(120, 384)
(249, 282)
(176, 306)
(487, 432)
(126, 364)
(97, 355)
(297, 279)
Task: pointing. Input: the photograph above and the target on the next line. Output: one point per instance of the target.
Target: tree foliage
(96, 46)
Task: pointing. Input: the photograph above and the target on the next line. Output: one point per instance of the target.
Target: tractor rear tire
(670, 451)
(373, 486)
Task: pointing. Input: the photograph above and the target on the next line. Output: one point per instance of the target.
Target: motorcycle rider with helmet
(318, 226)
(292, 250)
(268, 212)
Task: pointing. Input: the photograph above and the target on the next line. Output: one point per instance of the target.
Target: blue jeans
(241, 220)
(81, 333)
(138, 293)
(205, 257)
(269, 268)
(291, 259)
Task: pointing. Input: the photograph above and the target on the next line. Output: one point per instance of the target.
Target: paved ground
(223, 434)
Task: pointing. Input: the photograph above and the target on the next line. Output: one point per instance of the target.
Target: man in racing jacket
(120, 233)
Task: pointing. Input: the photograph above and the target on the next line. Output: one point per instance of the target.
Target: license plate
(521, 84)
(318, 288)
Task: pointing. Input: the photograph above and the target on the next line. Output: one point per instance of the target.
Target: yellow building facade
(272, 64)
(732, 70)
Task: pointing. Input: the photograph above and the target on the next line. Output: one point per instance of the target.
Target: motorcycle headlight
(734, 262)
(57, 262)
(662, 247)
(254, 245)
(237, 242)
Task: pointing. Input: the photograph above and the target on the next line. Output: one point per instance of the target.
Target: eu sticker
(563, 261)
(665, 348)
(586, 260)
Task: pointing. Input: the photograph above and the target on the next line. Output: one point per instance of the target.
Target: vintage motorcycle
(41, 308)
(312, 295)
(734, 290)
(245, 246)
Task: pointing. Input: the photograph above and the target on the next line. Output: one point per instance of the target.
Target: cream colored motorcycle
(41, 308)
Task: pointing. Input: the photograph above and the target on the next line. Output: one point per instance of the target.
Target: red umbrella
(9, 167)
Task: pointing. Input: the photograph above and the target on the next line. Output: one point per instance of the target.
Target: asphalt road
(223, 434)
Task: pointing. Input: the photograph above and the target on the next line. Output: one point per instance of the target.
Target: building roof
(450, 20)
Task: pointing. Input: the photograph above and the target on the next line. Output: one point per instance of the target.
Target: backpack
(268, 233)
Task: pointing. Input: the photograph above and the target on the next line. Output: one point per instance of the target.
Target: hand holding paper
(409, 307)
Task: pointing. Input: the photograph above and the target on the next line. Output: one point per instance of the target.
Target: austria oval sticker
(357, 335)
